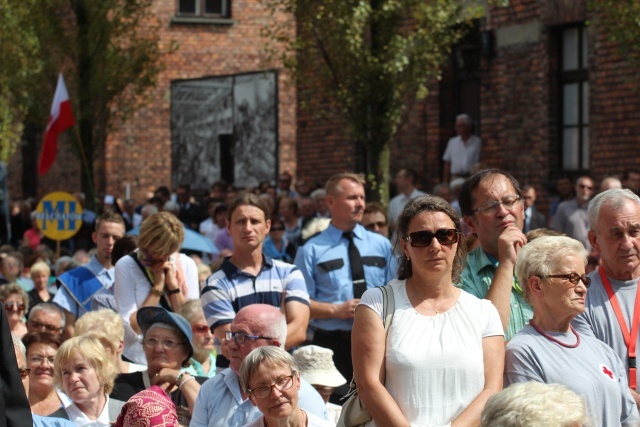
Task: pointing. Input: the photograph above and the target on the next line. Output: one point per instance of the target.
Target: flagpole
(86, 166)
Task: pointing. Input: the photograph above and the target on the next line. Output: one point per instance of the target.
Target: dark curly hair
(429, 204)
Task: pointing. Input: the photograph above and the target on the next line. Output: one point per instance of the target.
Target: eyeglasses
(373, 225)
(573, 277)
(585, 187)
(240, 337)
(37, 360)
(147, 260)
(282, 384)
(277, 229)
(199, 329)
(13, 306)
(444, 236)
(44, 327)
(491, 207)
(24, 372)
(151, 343)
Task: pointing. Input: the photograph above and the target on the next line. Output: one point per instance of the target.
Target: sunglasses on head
(444, 236)
(13, 306)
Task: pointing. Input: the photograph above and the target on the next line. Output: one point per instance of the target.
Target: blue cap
(147, 316)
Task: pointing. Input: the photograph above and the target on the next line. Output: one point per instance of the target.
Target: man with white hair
(613, 301)
(221, 401)
(463, 150)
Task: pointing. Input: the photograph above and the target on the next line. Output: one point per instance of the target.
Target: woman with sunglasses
(156, 274)
(271, 379)
(166, 339)
(16, 304)
(551, 271)
(203, 361)
(443, 356)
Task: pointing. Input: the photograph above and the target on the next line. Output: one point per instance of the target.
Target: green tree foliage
(375, 57)
(19, 63)
(621, 20)
(116, 58)
(108, 50)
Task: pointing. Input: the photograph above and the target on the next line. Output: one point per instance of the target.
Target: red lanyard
(630, 343)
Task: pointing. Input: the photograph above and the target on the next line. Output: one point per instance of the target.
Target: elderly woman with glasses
(443, 355)
(154, 275)
(41, 349)
(271, 379)
(167, 345)
(16, 303)
(551, 271)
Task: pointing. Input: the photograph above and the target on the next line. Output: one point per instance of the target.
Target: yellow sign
(59, 215)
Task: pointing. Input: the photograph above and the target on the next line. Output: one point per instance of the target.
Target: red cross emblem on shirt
(607, 372)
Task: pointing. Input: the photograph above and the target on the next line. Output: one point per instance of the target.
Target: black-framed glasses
(491, 207)
(572, 277)
(44, 327)
(240, 337)
(151, 343)
(282, 384)
(24, 372)
(444, 236)
(14, 306)
(276, 229)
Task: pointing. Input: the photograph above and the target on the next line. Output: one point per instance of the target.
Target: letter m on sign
(59, 214)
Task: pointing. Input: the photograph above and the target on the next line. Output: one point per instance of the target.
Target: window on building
(574, 95)
(204, 8)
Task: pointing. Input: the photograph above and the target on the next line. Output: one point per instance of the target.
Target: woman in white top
(155, 274)
(271, 379)
(444, 354)
(86, 375)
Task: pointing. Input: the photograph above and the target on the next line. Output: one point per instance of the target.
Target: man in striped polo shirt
(250, 277)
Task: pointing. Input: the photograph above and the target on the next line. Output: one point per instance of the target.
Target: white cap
(316, 366)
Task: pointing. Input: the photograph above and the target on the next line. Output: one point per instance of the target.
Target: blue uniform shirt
(324, 263)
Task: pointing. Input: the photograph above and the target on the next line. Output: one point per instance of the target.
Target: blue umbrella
(193, 241)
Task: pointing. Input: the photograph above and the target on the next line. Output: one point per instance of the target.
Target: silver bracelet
(184, 381)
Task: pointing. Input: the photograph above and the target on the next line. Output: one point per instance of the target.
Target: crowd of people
(488, 307)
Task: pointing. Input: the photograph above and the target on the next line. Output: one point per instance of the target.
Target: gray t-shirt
(600, 320)
(591, 369)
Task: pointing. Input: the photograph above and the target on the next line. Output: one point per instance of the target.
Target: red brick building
(549, 94)
(219, 65)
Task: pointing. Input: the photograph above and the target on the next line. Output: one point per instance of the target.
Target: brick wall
(139, 151)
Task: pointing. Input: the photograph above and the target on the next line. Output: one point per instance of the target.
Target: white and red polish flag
(60, 119)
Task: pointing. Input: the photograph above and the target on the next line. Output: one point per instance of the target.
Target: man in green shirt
(492, 208)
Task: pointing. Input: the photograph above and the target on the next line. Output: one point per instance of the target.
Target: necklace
(550, 338)
(444, 308)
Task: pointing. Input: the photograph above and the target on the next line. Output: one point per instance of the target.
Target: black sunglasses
(444, 236)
